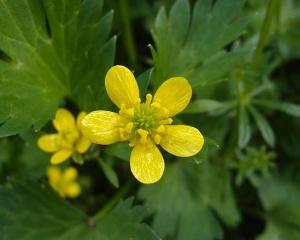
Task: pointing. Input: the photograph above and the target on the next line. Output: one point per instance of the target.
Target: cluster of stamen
(143, 122)
(66, 139)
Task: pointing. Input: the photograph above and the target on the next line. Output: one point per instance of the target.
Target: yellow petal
(54, 175)
(83, 144)
(48, 142)
(121, 86)
(70, 174)
(79, 119)
(173, 95)
(182, 140)
(63, 120)
(101, 127)
(146, 163)
(60, 156)
(72, 190)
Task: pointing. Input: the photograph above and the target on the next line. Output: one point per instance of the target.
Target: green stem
(128, 33)
(113, 201)
(264, 32)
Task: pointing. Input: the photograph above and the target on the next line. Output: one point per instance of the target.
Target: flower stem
(113, 201)
(264, 32)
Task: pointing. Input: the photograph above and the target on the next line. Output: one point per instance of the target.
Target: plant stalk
(264, 32)
(113, 201)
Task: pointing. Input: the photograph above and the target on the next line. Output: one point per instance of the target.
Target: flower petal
(147, 163)
(48, 142)
(121, 86)
(70, 174)
(63, 120)
(182, 140)
(79, 119)
(72, 190)
(101, 127)
(60, 156)
(54, 175)
(174, 95)
(83, 144)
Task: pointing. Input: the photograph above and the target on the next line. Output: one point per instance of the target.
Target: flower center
(144, 117)
(68, 138)
(144, 122)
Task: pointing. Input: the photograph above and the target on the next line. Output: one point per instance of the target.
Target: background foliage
(242, 59)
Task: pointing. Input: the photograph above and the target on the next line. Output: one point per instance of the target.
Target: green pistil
(144, 118)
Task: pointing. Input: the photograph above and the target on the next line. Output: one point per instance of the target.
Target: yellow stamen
(138, 101)
(122, 135)
(166, 121)
(129, 127)
(157, 138)
(156, 105)
(165, 111)
(148, 98)
(160, 129)
(130, 112)
(143, 133)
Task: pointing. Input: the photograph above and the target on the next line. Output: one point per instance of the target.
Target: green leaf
(5, 152)
(179, 208)
(30, 211)
(20, 159)
(286, 107)
(280, 198)
(109, 173)
(144, 81)
(56, 49)
(217, 192)
(244, 129)
(120, 150)
(203, 105)
(191, 45)
(264, 126)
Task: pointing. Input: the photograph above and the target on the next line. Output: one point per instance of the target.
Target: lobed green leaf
(55, 49)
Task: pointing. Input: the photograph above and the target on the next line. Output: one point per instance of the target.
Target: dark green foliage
(31, 211)
(242, 60)
(57, 49)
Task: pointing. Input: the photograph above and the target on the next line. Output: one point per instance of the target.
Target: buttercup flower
(64, 182)
(144, 124)
(68, 140)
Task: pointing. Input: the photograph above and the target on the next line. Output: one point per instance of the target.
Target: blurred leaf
(110, 173)
(288, 108)
(203, 105)
(190, 45)
(29, 211)
(5, 152)
(217, 192)
(252, 163)
(244, 129)
(21, 159)
(55, 49)
(180, 211)
(280, 199)
(264, 126)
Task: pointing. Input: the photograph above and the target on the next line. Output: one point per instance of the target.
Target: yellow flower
(68, 139)
(64, 182)
(144, 124)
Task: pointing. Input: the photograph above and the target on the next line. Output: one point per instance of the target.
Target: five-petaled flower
(69, 138)
(64, 182)
(144, 124)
